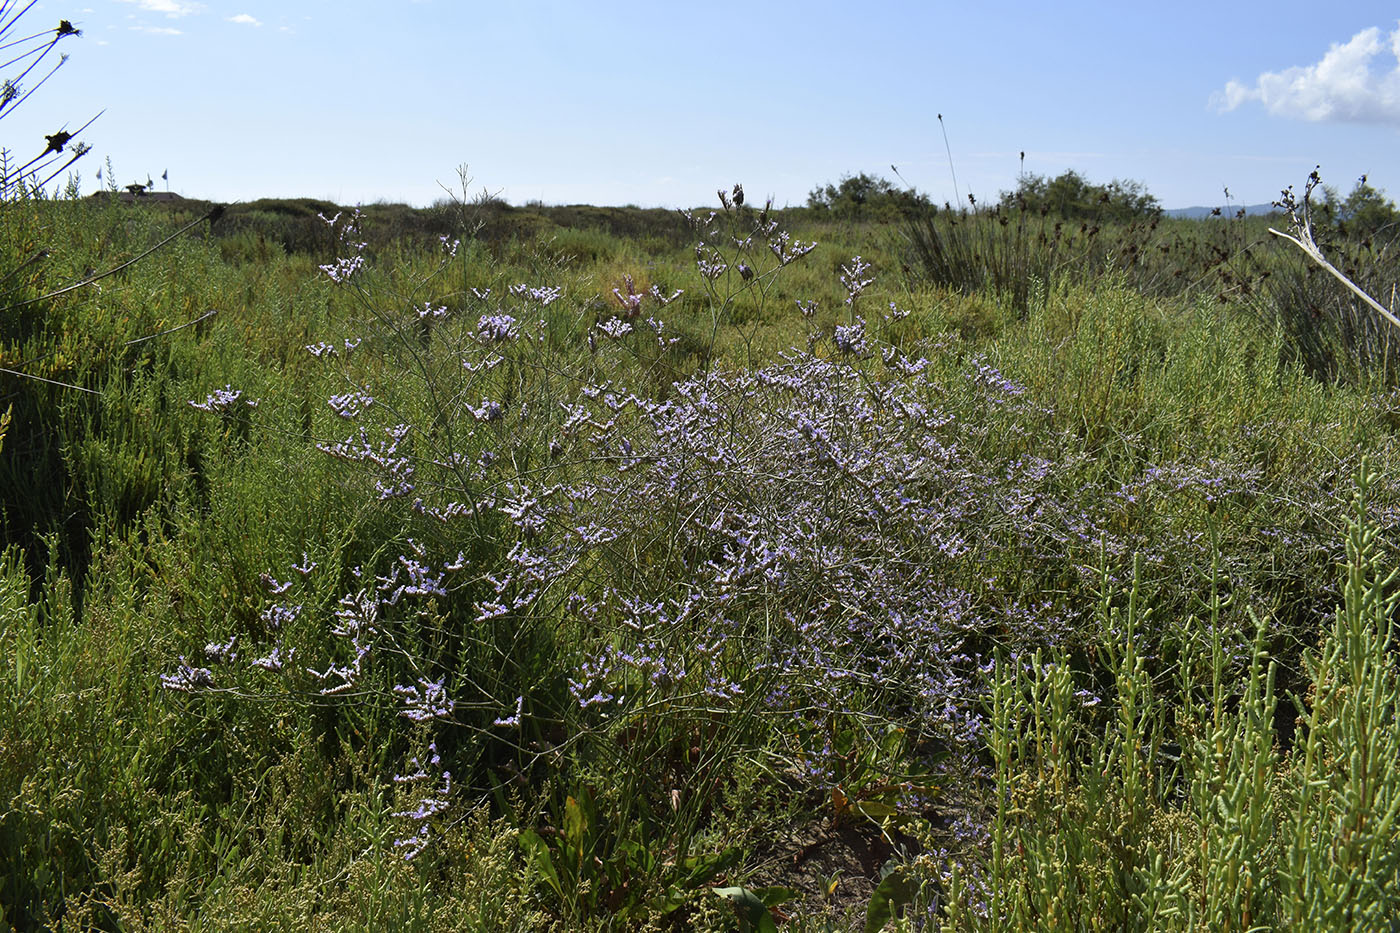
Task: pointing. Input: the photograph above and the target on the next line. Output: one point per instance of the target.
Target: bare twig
(52, 382)
(1305, 242)
(203, 317)
(1302, 237)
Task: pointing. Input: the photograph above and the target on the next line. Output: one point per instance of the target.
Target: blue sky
(660, 103)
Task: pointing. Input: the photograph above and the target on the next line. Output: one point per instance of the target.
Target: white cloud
(1340, 88)
(156, 30)
(245, 19)
(171, 8)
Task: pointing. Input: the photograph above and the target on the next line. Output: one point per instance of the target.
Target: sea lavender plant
(591, 575)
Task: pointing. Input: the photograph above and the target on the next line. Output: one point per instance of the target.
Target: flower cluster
(853, 279)
(497, 328)
(350, 404)
(543, 295)
(187, 678)
(224, 401)
(424, 700)
(432, 799)
(342, 269)
(850, 338)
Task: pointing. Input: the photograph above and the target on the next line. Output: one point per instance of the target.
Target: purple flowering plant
(611, 565)
(816, 513)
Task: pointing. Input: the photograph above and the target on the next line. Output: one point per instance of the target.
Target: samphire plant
(1173, 809)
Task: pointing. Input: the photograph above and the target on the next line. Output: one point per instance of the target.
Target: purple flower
(512, 721)
(709, 261)
(787, 249)
(497, 328)
(276, 617)
(661, 299)
(851, 338)
(989, 377)
(350, 404)
(424, 700)
(274, 660)
(488, 411)
(896, 314)
(851, 279)
(222, 401)
(632, 301)
(342, 269)
(616, 328)
(542, 295)
(188, 679)
(221, 653)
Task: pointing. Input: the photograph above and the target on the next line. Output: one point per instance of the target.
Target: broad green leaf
(893, 892)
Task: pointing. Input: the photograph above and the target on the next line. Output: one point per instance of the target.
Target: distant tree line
(865, 197)
(1068, 196)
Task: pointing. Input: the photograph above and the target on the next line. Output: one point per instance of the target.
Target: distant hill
(130, 195)
(1198, 213)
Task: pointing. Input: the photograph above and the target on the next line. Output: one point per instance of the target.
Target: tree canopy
(1367, 212)
(1073, 197)
(865, 197)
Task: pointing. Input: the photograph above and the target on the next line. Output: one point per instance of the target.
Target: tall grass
(1022, 254)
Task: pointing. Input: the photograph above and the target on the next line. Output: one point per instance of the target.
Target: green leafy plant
(757, 908)
(595, 864)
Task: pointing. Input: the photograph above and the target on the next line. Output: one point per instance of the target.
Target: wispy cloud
(245, 19)
(156, 30)
(171, 8)
(1340, 88)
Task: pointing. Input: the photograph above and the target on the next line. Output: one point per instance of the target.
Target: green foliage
(1072, 840)
(1152, 415)
(1070, 196)
(755, 906)
(1342, 859)
(1048, 233)
(1366, 213)
(1022, 256)
(64, 352)
(865, 197)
